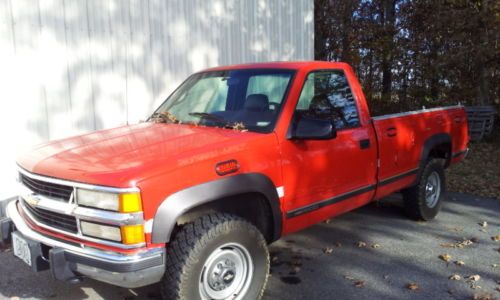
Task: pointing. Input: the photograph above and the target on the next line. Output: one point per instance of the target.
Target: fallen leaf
(456, 229)
(294, 270)
(375, 246)
(484, 297)
(474, 278)
(484, 224)
(445, 257)
(460, 244)
(338, 244)
(496, 238)
(412, 286)
(348, 277)
(455, 277)
(459, 263)
(328, 250)
(464, 243)
(359, 284)
(494, 265)
(361, 244)
(475, 287)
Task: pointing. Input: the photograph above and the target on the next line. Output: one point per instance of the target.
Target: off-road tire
(195, 242)
(414, 197)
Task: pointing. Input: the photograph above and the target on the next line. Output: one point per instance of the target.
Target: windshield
(240, 99)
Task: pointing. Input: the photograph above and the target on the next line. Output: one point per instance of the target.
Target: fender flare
(182, 201)
(430, 143)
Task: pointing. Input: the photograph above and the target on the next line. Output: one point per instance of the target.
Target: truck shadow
(371, 253)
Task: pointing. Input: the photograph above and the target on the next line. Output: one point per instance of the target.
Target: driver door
(323, 178)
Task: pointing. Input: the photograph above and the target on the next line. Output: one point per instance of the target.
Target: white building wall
(73, 66)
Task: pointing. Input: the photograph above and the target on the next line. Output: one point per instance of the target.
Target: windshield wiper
(215, 118)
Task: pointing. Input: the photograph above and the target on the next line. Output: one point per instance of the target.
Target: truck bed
(402, 137)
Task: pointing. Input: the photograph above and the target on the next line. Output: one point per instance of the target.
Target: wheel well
(441, 151)
(252, 207)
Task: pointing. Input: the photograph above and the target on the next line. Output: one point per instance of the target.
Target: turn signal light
(227, 167)
(130, 202)
(133, 234)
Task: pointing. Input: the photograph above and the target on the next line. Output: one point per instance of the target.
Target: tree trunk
(388, 20)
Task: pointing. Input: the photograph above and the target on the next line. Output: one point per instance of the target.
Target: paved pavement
(394, 252)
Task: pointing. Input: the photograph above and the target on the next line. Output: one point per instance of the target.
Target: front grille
(53, 219)
(51, 190)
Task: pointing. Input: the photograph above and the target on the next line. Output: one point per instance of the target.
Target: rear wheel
(218, 256)
(423, 201)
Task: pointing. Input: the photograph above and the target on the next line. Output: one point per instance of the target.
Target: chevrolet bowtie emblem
(31, 199)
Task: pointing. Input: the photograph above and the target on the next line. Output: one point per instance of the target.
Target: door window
(326, 95)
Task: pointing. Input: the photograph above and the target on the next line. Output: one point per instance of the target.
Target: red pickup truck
(234, 159)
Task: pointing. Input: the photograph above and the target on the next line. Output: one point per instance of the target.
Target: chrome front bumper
(142, 268)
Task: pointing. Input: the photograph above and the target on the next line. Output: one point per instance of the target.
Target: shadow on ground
(395, 252)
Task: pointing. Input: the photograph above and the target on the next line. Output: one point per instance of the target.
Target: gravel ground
(376, 253)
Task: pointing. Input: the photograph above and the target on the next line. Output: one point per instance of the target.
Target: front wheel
(218, 256)
(423, 201)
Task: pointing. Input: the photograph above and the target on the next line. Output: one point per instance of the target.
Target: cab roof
(294, 65)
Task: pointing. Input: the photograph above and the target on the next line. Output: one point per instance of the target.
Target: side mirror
(312, 129)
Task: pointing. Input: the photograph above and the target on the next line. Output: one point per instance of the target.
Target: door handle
(391, 131)
(364, 144)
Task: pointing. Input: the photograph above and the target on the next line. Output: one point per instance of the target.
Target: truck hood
(123, 156)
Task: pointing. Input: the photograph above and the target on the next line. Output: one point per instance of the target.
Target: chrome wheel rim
(227, 273)
(432, 189)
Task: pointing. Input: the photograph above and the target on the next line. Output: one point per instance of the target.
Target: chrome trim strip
(108, 217)
(78, 184)
(105, 256)
(397, 177)
(414, 112)
(323, 203)
(77, 236)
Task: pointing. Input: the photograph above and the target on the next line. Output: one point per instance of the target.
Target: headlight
(128, 234)
(101, 231)
(128, 202)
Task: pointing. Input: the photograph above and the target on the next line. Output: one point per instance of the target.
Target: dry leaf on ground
(412, 286)
(361, 244)
(455, 277)
(496, 238)
(445, 257)
(484, 297)
(459, 263)
(349, 277)
(483, 224)
(359, 284)
(474, 278)
(375, 246)
(328, 250)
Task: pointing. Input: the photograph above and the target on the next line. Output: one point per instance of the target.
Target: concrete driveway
(376, 253)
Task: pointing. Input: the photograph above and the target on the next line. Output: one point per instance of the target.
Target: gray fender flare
(182, 201)
(429, 144)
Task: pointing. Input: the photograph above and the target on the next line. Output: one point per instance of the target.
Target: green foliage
(433, 52)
